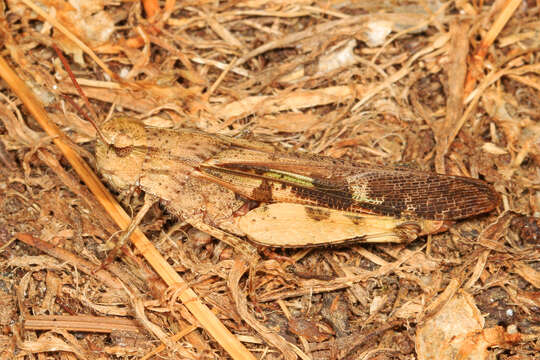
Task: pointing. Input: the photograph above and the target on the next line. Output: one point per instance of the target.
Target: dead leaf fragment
(307, 329)
(456, 332)
(289, 122)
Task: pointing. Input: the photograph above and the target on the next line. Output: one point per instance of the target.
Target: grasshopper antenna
(83, 96)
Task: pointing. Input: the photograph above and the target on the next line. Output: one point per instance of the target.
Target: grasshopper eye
(123, 145)
(122, 151)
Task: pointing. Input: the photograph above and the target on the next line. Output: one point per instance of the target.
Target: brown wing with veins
(342, 185)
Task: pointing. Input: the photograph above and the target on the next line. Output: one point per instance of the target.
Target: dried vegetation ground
(446, 86)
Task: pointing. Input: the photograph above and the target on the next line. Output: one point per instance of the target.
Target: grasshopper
(306, 200)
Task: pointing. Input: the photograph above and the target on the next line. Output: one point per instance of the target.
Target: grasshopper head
(120, 160)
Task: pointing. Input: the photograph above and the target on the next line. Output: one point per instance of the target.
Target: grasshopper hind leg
(295, 225)
(408, 231)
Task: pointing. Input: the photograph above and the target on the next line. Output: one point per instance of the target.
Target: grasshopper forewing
(307, 200)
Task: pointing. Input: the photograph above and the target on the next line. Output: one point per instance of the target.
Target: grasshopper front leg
(149, 200)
